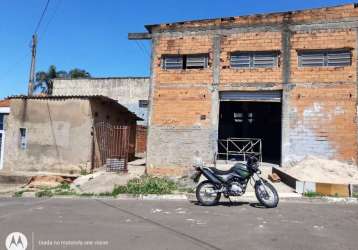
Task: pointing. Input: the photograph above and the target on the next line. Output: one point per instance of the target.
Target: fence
(110, 147)
(239, 148)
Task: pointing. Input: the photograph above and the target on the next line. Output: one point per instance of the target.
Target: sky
(92, 34)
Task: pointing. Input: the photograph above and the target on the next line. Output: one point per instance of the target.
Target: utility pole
(33, 64)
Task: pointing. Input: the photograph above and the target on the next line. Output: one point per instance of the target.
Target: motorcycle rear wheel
(206, 195)
(267, 194)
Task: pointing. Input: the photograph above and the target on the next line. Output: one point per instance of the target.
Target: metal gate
(262, 96)
(110, 146)
(239, 148)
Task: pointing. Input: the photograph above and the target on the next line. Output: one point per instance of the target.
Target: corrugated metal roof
(66, 97)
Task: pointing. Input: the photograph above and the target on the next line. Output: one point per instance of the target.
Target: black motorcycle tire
(261, 200)
(203, 202)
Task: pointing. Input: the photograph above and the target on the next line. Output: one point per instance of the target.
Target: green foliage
(311, 194)
(86, 194)
(44, 79)
(78, 73)
(355, 195)
(106, 194)
(65, 192)
(144, 185)
(64, 185)
(186, 190)
(119, 190)
(20, 193)
(44, 193)
(151, 185)
(84, 171)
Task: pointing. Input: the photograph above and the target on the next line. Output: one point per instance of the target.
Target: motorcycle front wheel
(206, 195)
(266, 194)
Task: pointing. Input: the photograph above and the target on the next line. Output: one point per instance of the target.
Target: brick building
(287, 78)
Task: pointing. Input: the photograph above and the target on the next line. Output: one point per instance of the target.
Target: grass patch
(150, 185)
(311, 194)
(84, 172)
(119, 190)
(62, 189)
(355, 194)
(19, 194)
(144, 185)
(106, 194)
(65, 192)
(86, 194)
(186, 190)
(44, 193)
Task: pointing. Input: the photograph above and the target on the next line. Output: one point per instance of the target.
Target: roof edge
(149, 27)
(105, 78)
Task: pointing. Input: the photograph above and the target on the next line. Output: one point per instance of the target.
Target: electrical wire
(22, 59)
(51, 17)
(42, 16)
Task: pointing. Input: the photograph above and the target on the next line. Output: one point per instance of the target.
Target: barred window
(254, 60)
(143, 103)
(194, 61)
(173, 62)
(339, 58)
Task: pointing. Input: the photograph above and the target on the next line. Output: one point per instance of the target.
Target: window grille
(254, 60)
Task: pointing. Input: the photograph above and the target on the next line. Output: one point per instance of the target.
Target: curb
(294, 197)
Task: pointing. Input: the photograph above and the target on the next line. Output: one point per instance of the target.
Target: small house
(68, 134)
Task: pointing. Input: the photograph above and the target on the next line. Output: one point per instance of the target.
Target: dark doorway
(245, 119)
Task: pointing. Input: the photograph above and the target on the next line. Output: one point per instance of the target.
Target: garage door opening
(251, 119)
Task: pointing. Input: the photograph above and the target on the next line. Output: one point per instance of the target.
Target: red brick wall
(250, 41)
(322, 100)
(141, 139)
(323, 121)
(323, 39)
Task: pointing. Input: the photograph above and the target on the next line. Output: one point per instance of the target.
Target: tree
(44, 80)
(78, 73)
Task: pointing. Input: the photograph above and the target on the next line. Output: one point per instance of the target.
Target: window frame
(325, 53)
(164, 63)
(184, 59)
(251, 57)
(23, 138)
(2, 121)
(143, 103)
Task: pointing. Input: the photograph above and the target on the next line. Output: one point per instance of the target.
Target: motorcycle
(233, 182)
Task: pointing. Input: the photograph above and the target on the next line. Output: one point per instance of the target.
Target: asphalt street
(65, 223)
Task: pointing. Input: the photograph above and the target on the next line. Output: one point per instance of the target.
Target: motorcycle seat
(221, 172)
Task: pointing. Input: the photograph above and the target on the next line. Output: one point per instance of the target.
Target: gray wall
(127, 91)
(58, 135)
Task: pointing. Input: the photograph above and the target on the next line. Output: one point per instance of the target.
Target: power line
(42, 16)
(142, 48)
(51, 17)
(22, 59)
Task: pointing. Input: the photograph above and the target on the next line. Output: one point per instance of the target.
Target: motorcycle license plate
(196, 176)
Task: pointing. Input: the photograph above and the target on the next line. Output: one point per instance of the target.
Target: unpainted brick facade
(319, 104)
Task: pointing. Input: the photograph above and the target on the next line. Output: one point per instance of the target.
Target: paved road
(131, 224)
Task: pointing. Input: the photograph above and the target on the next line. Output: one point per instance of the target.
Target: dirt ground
(325, 171)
